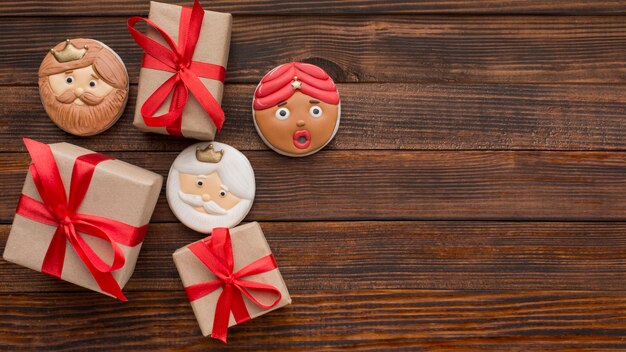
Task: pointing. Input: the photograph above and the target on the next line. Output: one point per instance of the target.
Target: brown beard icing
(82, 120)
(68, 97)
(100, 111)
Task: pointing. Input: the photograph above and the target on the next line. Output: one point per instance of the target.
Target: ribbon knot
(187, 73)
(217, 254)
(229, 280)
(67, 221)
(56, 209)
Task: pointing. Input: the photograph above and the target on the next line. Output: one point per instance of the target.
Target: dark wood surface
(473, 199)
(377, 48)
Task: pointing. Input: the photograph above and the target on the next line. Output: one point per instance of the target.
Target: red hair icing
(283, 81)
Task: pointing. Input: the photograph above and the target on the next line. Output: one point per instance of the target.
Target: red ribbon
(57, 210)
(216, 253)
(178, 59)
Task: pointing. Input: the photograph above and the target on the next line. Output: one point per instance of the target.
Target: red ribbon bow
(217, 254)
(57, 210)
(178, 59)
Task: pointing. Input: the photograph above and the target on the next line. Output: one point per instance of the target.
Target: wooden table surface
(473, 199)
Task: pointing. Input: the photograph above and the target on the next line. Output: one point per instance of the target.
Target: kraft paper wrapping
(118, 191)
(249, 244)
(213, 46)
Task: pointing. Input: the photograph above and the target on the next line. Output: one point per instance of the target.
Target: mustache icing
(68, 97)
(196, 201)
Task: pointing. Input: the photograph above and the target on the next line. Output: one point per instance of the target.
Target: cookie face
(210, 185)
(296, 109)
(83, 85)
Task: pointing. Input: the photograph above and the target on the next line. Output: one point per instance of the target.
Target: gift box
(230, 277)
(82, 216)
(181, 80)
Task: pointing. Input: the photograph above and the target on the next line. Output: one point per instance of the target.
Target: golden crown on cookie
(208, 154)
(69, 52)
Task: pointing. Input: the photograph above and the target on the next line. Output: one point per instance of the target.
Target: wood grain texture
(347, 256)
(371, 320)
(434, 49)
(473, 199)
(255, 7)
(382, 116)
(386, 185)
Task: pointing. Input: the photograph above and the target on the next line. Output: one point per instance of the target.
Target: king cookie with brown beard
(83, 86)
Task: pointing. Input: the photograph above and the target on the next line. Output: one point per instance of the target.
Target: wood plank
(383, 116)
(254, 7)
(366, 320)
(485, 49)
(347, 256)
(383, 185)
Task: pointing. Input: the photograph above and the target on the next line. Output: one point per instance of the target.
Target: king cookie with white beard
(210, 185)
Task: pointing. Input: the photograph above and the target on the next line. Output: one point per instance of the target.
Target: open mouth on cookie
(302, 139)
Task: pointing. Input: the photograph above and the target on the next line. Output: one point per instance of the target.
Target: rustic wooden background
(474, 197)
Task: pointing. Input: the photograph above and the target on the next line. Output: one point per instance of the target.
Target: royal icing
(210, 185)
(83, 86)
(296, 109)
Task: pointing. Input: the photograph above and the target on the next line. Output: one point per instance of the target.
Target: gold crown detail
(69, 52)
(209, 155)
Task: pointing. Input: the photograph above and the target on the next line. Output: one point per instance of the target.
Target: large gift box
(230, 277)
(181, 80)
(82, 216)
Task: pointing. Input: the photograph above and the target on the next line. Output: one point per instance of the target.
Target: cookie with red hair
(296, 109)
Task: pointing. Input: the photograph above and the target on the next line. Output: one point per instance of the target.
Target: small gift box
(230, 277)
(181, 80)
(82, 216)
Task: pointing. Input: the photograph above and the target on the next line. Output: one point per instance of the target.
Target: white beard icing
(196, 220)
(195, 200)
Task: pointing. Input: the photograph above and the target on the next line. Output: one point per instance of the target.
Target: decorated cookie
(83, 86)
(296, 109)
(210, 185)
